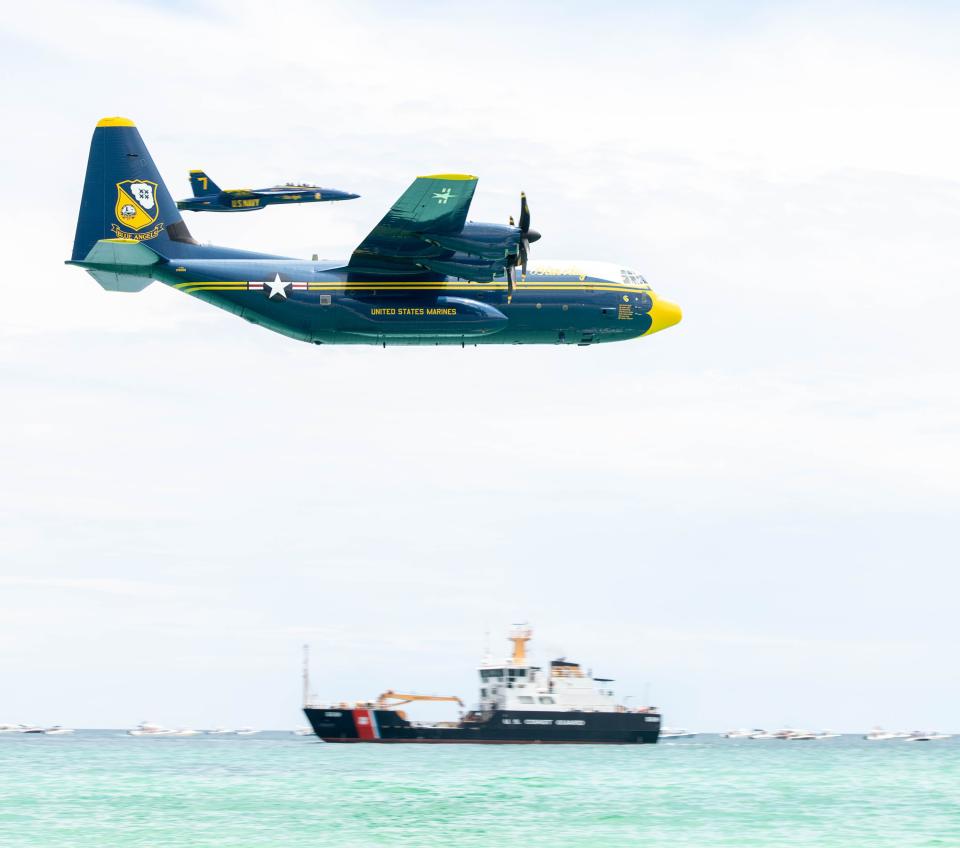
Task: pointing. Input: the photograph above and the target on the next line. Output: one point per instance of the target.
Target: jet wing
(287, 189)
(294, 193)
(432, 208)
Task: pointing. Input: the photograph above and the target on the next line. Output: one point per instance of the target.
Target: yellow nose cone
(664, 314)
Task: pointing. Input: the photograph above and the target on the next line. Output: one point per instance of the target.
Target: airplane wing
(274, 191)
(434, 209)
(295, 193)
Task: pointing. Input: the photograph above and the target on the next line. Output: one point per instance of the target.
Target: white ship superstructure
(517, 684)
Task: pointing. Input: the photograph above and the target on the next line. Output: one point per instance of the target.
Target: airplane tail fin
(202, 185)
(124, 196)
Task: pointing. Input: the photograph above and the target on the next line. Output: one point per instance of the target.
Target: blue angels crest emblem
(136, 206)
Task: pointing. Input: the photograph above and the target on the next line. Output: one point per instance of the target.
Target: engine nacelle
(486, 241)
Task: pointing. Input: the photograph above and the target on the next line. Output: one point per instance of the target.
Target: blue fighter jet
(209, 197)
(423, 276)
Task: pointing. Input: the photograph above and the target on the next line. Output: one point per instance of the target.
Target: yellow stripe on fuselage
(193, 287)
(399, 285)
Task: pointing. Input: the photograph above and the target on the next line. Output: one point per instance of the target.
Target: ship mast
(306, 675)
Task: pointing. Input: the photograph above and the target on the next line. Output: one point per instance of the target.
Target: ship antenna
(306, 675)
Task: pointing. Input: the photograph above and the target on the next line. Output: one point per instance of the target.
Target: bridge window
(525, 699)
(546, 699)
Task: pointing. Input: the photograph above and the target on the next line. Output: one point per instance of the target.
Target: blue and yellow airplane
(209, 197)
(423, 276)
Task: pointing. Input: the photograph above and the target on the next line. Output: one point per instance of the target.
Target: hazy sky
(751, 516)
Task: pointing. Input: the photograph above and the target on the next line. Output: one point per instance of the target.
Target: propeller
(527, 236)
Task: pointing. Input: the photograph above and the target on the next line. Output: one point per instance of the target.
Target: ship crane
(404, 698)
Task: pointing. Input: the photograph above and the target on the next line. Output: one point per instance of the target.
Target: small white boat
(918, 736)
(221, 731)
(765, 734)
(31, 729)
(743, 733)
(146, 728)
(302, 731)
(247, 731)
(676, 733)
(807, 735)
(878, 734)
(57, 730)
(183, 731)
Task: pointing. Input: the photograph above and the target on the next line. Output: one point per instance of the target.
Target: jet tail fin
(124, 196)
(202, 185)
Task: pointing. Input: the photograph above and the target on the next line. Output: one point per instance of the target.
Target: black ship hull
(504, 727)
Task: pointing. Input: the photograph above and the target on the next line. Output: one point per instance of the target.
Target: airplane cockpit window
(632, 278)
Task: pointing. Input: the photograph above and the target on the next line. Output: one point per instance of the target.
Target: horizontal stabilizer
(120, 264)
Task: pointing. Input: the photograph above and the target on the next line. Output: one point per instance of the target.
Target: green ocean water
(103, 788)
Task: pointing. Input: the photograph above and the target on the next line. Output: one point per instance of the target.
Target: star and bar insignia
(277, 287)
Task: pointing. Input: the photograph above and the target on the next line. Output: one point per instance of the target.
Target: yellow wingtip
(115, 122)
(447, 177)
